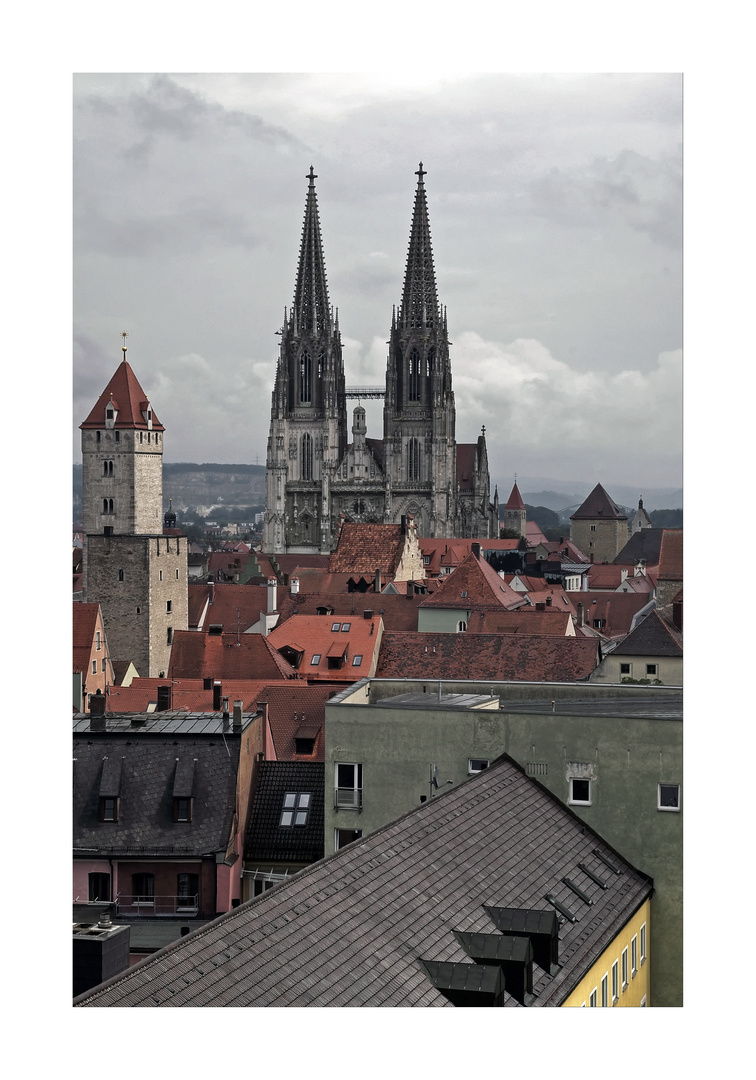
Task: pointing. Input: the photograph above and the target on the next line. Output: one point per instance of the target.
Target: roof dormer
(146, 409)
(111, 413)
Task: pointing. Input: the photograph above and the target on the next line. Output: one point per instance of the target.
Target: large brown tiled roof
(363, 549)
(84, 623)
(474, 584)
(528, 657)
(188, 694)
(233, 606)
(290, 706)
(352, 929)
(129, 399)
(225, 656)
(313, 635)
(617, 609)
(599, 505)
(671, 555)
(466, 465)
(525, 620)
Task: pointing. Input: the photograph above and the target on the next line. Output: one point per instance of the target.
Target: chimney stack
(475, 547)
(294, 587)
(217, 686)
(238, 716)
(97, 703)
(272, 594)
(377, 585)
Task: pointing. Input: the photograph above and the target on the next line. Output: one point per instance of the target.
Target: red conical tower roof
(129, 400)
(514, 502)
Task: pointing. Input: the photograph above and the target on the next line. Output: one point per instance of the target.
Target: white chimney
(272, 594)
(294, 586)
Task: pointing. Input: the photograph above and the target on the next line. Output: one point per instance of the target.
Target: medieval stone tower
(314, 476)
(599, 527)
(134, 569)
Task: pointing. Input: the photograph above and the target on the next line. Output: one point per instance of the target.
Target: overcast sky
(555, 210)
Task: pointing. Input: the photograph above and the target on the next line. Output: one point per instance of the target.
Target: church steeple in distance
(419, 306)
(311, 308)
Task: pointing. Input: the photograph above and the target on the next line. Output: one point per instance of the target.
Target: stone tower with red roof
(134, 569)
(515, 515)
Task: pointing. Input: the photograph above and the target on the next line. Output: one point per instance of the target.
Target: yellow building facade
(620, 976)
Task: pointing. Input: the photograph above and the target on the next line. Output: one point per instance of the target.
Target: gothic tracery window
(414, 376)
(305, 378)
(413, 460)
(307, 457)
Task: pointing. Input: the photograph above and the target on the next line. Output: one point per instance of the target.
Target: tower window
(307, 457)
(305, 378)
(97, 436)
(120, 575)
(413, 460)
(414, 376)
(118, 436)
(168, 606)
(169, 636)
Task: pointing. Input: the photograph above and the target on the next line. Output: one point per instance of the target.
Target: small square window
(580, 791)
(476, 765)
(345, 626)
(668, 797)
(315, 659)
(626, 669)
(295, 808)
(652, 669)
(336, 627)
(357, 661)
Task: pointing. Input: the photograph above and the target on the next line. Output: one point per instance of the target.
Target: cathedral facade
(315, 476)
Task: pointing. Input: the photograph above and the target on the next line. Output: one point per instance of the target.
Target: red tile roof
(292, 706)
(525, 620)
(617, 609)
(188, 694)
(129, 400)
(487, 656)
(84, 623)
(474, 584)
(305, 636)
(226, 656)
(363, 549)
(671, 555)
(514, 502)
(466, 465)
(233, 606)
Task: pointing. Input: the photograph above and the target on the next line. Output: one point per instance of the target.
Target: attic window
(580, 791)
(345, 627)
(464, 594)
(109, 808)
(304, 746)
(476, 765)
(182, 808)
(336, 627)
(315, 659)
(296, 807)
(357, 661)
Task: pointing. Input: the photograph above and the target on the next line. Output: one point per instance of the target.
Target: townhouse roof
(565, 550)
(533, 534)
(142, 767)
(616, 609)
(517, 657)
(599, 505)
(187, 695)
(273, 838)
(228, 605)
(226, 656)
(296, 710)
(525, 620)
(129, 399)
(84, 624)
(671, 555)
(292, 564)
(358, 927)
(333, 592)
(474, 583)
(310, 640)
(364, 548)
(644, 545)
(655, 635)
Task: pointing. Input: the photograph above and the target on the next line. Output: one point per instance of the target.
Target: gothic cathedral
(315, 477)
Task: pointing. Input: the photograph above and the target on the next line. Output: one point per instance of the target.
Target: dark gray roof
(434, 700)
(599, 505)
(645, 544)
(150, 769)
(165, 722)
(353, 929)
(267, 839)
(646, 705)
(654, 636)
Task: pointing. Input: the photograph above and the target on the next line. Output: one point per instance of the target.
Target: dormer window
(110, 415)
(182, 808)
(108, 809)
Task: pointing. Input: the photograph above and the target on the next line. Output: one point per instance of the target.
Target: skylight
(296, 807)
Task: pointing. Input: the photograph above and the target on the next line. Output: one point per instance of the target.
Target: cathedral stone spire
(419, 305)
(311, 309)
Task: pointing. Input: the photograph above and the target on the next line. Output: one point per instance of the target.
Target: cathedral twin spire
(419, 305)
(311, 310)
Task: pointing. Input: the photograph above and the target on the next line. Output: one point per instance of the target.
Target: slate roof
(269, 841)
(599, 505)
(226, 656)
(352, 929)
(148, 761)
(481, 585)
(671, 555)
(655, 635)
(363, 549)
(517, 657)
(645, 544)
(129, 399)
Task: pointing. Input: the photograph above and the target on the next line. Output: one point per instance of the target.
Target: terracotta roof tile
(487, 656)
(226, 656)
(474, 584)
(514, 502)
(128, 397)
(304, 637)
(363, 549)
(290, 705)
(671, 555)
(188, 694)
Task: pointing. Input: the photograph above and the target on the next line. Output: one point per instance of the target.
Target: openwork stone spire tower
(308, 433)
(419, 414)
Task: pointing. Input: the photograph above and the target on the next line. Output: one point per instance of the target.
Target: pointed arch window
(414, 376)
(413, 460)
(307, 457)
(430, 360)
(107, 506)
(305, 378)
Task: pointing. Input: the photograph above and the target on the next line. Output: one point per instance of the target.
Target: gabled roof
(653, 636)
(309, 636)
(229, 605)
(474, 584)
(129, 399)
(292, 706)
(363, 549)
(671, 555)
(352, 929)
(226, 656)
(517, 657)
(188, 694)
(643, 545)
(84, 625)
(514, 502)
(149, 761)
(318, 589)
(617, 609)
(267, 839)
(599, 505)
(525, 620)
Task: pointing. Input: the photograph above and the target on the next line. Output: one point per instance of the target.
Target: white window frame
(605, 990)
(482, 764)
(652, 669)
(625, 982)
(593, 998)
(615, 982)
(667, 809)
(634, 956)
(581, 802)
(348, 797)
(461, 626)
(629, 673)
(643, 944)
